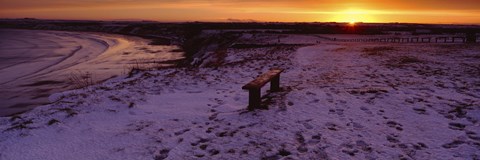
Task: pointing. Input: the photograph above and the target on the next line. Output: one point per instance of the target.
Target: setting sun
(353, 16)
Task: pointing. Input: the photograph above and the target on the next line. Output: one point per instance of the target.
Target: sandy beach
(35, 64)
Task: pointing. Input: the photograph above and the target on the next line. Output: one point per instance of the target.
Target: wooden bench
(254, 87)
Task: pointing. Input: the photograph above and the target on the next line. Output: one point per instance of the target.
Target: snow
(339, 101)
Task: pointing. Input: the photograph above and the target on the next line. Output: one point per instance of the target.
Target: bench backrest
(263, 79)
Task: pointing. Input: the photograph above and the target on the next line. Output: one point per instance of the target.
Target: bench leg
(275, 84)
(254, 99)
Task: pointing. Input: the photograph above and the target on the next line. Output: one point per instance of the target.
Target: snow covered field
(339, 101)
(35, 64)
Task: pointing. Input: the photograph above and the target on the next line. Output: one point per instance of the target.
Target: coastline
(101, 55)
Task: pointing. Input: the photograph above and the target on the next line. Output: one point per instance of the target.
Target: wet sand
(34, 64)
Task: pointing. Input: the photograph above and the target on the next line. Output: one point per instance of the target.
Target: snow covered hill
(339, 101)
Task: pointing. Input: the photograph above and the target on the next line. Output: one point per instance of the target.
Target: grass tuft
(80, 80)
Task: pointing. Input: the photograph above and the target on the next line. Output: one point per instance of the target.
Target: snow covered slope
(339, 101)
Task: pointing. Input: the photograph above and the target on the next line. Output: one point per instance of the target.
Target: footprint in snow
(420, 110)
(213, 152)
(366, 110)
(355, 125)
(201, 141)
(162, 154)
(393, 138)
(349, 149)
(473, 135)
(453, 144)
(181, 132)
(213, 116)
(393, 124)
(331, 126)
(456, 126)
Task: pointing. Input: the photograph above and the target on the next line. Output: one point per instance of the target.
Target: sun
(353, 16)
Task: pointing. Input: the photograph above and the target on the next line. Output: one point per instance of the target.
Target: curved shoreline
(98, 55)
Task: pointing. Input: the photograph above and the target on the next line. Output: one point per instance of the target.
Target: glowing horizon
(377, 11)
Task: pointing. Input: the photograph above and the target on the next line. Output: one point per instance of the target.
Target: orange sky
(413, 11)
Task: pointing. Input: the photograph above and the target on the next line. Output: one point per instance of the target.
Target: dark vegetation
(171, 31)
(246, 46)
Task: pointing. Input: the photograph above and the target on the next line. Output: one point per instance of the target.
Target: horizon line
(232, 20)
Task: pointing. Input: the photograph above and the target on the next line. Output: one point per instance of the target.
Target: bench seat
(254, 87)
